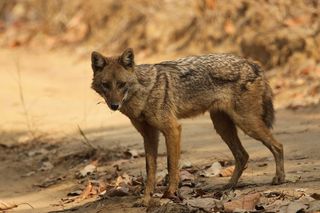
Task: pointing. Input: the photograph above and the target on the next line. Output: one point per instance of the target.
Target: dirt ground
(57, 99)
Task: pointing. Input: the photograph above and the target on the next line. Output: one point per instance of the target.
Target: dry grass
(28, 121)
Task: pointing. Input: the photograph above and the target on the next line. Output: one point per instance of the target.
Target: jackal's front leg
(172, 135)
(151, 140)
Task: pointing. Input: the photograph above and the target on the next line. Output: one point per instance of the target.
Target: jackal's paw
(229, 186)
(174, 196)
(278, 179)
(143, 202)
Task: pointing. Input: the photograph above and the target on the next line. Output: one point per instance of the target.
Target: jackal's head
(113, 76)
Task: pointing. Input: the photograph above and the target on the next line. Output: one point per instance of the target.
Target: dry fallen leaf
(133, 153)
(46, 166)
(213, 170)
(87, 192)
(296, 207)
(118, 192)
(272, 194)
(227, 172)
(293, 178)
(137, 180)
(315, 196)
(88, 169)
(185, 175)
(117, 164)
(207, 204)
(157, 195)
(229, 195)
(199, 192)
(186, 192)
(102, 186)
(247, 202)
(277, 204)
(161, 178)
(66, 200)
(123, 180)
(186, 164)
(187, 179)
(314, 206)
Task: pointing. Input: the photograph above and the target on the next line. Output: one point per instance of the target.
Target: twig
(86, 140)
(22, 100)
(28, 204)
(8, 206)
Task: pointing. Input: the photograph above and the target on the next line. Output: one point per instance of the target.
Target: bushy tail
(267, 104)
(268, 110)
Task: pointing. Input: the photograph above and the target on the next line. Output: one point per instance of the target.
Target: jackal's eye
(106, 86)
(121, 84)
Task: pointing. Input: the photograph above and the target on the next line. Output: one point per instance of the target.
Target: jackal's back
(195, 84)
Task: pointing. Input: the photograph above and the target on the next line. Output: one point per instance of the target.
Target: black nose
(114, 106)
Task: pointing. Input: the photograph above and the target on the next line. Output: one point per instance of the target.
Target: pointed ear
(127, 58)
(97, 61)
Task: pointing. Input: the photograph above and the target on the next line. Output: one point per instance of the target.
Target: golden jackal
(154, 96)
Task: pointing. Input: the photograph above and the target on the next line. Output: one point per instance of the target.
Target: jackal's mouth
(115, 106)
(123, 99)
(110, 105)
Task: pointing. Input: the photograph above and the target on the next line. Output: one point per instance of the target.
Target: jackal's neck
(138, 92)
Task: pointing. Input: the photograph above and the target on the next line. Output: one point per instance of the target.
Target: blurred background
(46, 45)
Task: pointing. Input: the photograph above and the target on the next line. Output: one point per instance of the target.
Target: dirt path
(58, 98)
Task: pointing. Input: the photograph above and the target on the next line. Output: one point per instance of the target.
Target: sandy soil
(57, 96)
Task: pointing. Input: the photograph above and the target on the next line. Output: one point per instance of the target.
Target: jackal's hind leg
(228, 132)
(257, 129)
